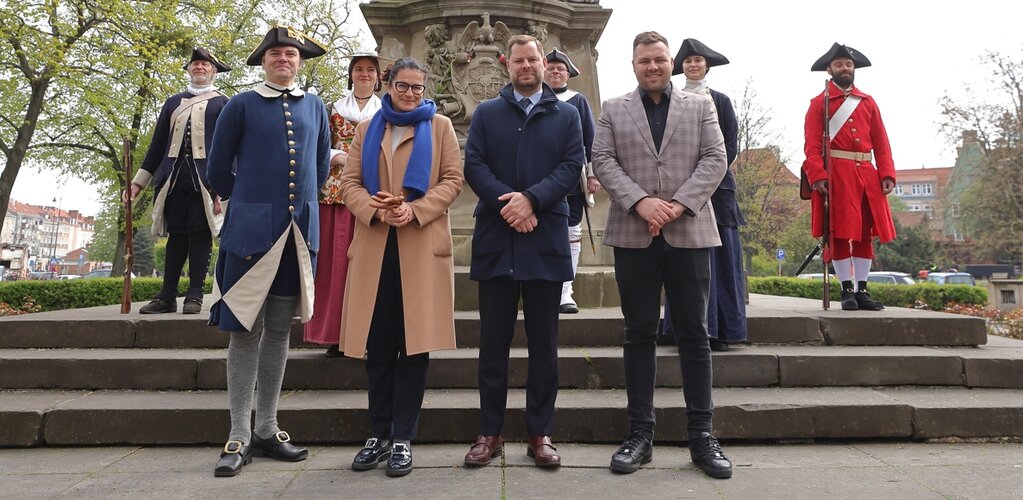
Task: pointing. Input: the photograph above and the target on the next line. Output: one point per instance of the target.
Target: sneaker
(637, 449)
(706, 453)
(400, 462)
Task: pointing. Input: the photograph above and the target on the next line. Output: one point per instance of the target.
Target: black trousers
(684, 273)
(397, 381)
(499, 306)
(189, 235)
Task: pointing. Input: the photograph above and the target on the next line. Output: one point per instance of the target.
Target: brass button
(291, 208)
(291, 151)
(854, 131)
(288, 123)
(292, 132)
(291, 143)
(291, 196)
(291, 173)
(850, 120)
(248, 257)
(856, 140)
(291, 185)
(285, 105)
(287, 113)
(292, 162)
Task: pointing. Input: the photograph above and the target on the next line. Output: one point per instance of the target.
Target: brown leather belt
(852, 155)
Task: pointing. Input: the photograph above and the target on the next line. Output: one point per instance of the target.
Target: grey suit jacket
(688, 168)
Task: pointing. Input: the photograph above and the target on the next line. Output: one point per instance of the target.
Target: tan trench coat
(424, 245)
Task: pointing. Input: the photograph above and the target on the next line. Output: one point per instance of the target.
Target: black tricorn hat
(286, 35)
(561, 57)
(203, 54)
(837, 51)
(694, 47)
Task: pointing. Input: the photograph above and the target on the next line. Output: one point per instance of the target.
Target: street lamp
(56, 229)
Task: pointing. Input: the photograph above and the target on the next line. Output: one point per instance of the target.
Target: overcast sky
(920, 50)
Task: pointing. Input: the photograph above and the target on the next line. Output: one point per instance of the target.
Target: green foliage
(763, 265)
(919, 296)
(52, 295)
(143, 246)
(911, 251)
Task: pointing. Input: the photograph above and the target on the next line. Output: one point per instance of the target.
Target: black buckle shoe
(191, 306)
(849, 302)
(708, 456)
(637, 449)
(234, 456)
(400, 462)
(568, 308)
(866, 303)
(159, 306)
(375, 451)
(278, 448)
(334, 351)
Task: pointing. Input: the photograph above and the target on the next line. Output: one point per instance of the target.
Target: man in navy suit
(523, 156)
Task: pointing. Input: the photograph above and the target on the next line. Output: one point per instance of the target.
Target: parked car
(890, 277)
(814, 276)
(42, 275)
(100, 273)
(951, 279)
(65, 277)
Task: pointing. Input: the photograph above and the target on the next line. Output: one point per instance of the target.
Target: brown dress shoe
(543, 452)
(484, 450)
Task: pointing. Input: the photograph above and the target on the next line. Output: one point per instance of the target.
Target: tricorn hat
(837, 51)
(286, 35)
(203, 54)
(694, 47)
(561, 57)
(372, 56)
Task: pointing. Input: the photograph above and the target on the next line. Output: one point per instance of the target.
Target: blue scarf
(417, 173)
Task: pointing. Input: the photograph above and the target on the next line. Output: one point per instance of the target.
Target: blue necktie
(525, 103)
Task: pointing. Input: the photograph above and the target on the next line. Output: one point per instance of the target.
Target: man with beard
(523, 156)
(660, 154)
(184, 207)
(270, 156)
(858, 190)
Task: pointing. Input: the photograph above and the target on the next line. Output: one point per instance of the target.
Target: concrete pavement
(855, 469)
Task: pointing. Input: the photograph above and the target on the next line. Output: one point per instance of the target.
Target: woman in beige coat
(404, 170)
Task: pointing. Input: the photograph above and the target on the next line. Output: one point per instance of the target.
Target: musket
(827, 238)
(589, 227)
(129, 247)
(809, 257)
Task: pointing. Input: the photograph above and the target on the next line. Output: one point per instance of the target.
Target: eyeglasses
(403, 87)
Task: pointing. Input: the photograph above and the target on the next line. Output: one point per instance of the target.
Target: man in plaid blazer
(659, 153)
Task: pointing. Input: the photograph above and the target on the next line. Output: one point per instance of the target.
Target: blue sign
(781, 254)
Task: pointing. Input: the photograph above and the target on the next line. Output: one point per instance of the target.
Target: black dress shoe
(637, 449)
(568, 308)
(849, 302)
(234, 456)
(708, 456)
(719, 346)
(866, 303)
(376, 451)
(159, 306)
(278, 447)
(400, 462)
(334, 351)
(191, 306)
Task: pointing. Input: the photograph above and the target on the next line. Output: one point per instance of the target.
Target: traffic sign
(781, 254)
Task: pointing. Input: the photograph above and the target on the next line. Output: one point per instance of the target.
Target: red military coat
(852, 182)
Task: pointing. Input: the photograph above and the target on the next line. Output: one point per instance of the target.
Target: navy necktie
(525, 103)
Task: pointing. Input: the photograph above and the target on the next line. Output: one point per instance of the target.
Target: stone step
(999, 365)
(30, 418)
(771, 320)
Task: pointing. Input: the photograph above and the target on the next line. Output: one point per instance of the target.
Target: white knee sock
(575, 234)
(843, 269)
(862, 268)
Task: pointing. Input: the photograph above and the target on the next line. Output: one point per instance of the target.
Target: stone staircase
(93, 376)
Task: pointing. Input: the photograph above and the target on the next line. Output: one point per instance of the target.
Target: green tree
(913, 250)
(144, 261)
(991, 207)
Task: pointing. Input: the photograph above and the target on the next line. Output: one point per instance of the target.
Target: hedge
(52, 295)
(920, 296)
